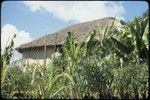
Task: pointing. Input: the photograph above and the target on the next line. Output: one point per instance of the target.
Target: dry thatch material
(79, 31)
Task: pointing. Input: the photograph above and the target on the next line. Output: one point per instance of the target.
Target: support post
(28, 58)
(55, 48)
(45, 43)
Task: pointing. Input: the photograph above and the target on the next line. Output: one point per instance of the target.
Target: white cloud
(7, 32)
(78, 10)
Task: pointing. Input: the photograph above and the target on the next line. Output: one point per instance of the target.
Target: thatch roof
(80, 31)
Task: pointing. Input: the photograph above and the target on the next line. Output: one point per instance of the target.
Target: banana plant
(133, 39)
(146, 35)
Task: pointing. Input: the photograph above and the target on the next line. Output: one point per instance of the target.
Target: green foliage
(113, 65)
(7, 54)
(5, 58)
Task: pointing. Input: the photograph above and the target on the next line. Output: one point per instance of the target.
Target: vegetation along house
(45, 46)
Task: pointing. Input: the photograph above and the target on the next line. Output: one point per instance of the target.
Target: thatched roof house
(35, 48)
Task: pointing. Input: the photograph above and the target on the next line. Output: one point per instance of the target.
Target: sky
(30, 20)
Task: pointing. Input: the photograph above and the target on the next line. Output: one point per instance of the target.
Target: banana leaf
(121, 47)
(146, 35)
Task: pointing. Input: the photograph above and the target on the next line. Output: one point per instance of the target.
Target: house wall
(38, 52)
(35, 62)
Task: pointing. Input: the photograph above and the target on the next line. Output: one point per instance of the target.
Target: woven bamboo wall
(37, 53)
